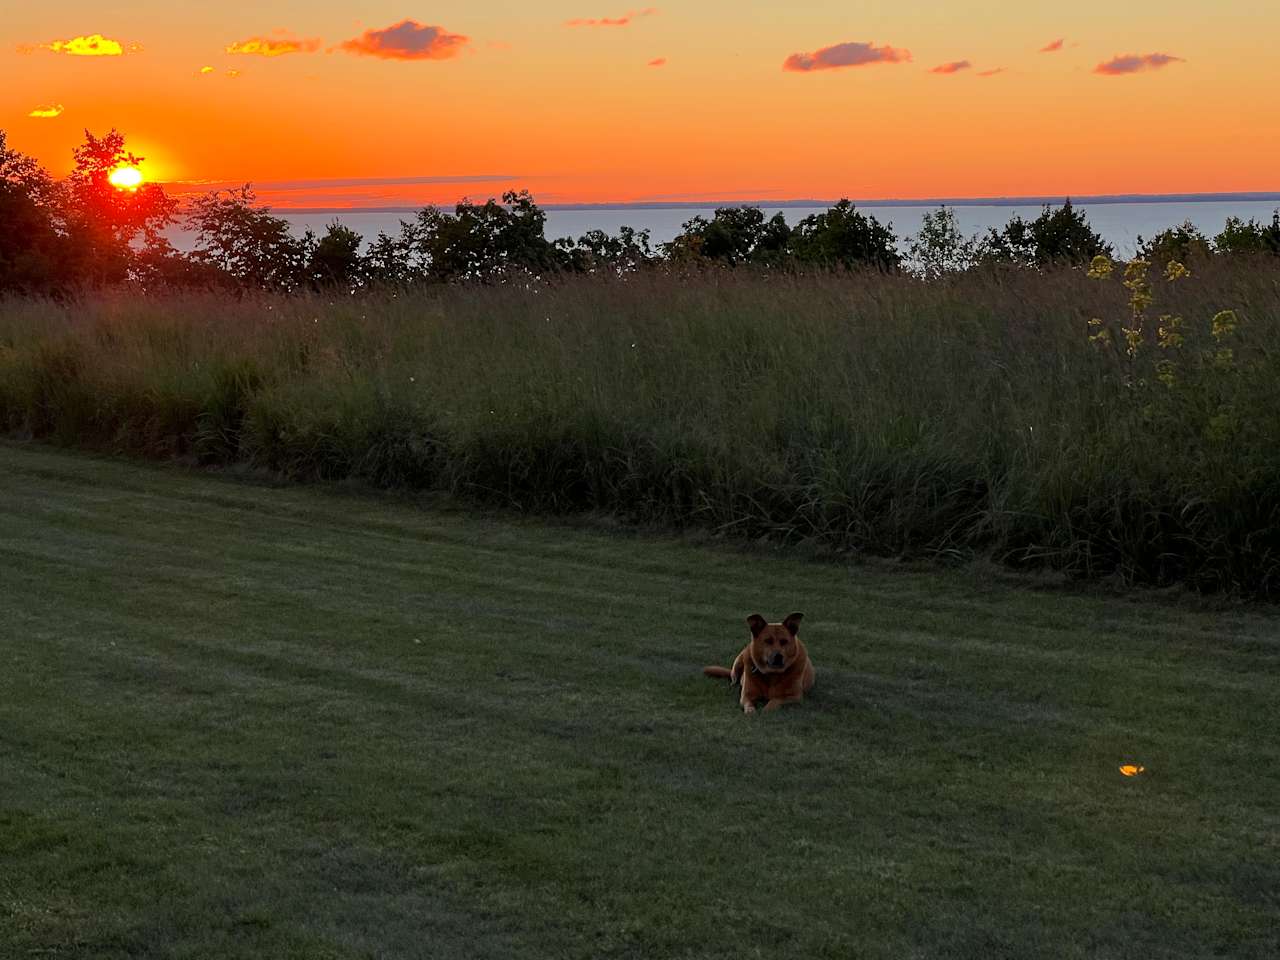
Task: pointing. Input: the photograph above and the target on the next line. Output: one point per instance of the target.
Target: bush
(1058, 237)
(246, 244)
(1252, 237)
(843, 237)
(940, 248)
(734, 236)
(1182, 244)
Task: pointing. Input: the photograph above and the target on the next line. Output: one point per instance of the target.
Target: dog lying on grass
(774, 666)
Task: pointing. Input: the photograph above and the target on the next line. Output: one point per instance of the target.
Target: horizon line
(997, 201)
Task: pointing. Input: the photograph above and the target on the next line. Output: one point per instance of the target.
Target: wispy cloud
(955, 66)
(623, 21)
(50, 112)
(206, 70)
(277, 46)
(407, 40)
(1053, 47)
(94, 45)
(991, 73)
(1135, 63)
(659, 62)
(844, 55)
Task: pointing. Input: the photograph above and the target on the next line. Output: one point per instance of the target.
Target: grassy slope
(251, 722)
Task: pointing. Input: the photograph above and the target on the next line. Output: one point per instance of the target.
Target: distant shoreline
(1263, 197)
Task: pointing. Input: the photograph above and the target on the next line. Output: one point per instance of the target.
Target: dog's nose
(777, 659)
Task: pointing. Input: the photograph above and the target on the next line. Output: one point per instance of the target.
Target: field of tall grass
(981, 414)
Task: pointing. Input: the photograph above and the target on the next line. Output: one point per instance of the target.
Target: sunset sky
(595, 100)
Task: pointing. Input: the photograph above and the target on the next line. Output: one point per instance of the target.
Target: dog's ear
(792, 623)
(756, 623)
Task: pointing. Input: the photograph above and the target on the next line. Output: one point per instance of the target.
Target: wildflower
(1135, 272)
(1101, 267)
(1165, 373)
(1224, 324)
(1176, 271)
(1168, 333)
(1133, 339)
(1102, 336)
(1132, 769)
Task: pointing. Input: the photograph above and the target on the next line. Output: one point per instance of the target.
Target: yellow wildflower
(1224, 324)
(1101, 267)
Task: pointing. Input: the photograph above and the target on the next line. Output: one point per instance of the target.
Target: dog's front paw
(748, 707)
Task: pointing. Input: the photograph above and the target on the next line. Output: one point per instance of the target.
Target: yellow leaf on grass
(1131, 770)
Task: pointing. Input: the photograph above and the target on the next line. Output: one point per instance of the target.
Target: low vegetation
(247, 722)
(1124, 423)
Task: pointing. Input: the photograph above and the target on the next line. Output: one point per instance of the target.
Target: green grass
(248, 721)
(970, 417)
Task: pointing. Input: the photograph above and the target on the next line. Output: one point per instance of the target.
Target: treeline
(58, 236)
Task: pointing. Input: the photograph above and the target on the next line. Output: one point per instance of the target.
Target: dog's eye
(782, 642)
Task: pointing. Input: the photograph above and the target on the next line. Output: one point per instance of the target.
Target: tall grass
(867, 412)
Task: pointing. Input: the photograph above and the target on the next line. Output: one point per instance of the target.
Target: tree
(484, 243)
(335, 261)
(940, 248)
(32, 251)
(734, 236)
(246, 244)
(843, 237)
(1057, 237)
(598, 251)
(1241, 237)
(104, 224)
(1182, 244)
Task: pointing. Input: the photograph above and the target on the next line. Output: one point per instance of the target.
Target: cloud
(407, 40)
(94, 45)
(1053, 47)
(273, 47)
(991, 73)
(205, 70)
(954, 67)
(50, 112)
(1135, 63)
(844, 55)
(622, 21)
(659, 62)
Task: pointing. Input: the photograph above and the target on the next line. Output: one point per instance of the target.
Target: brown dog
(774, 666)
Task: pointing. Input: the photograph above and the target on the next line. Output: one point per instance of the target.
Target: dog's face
(773, 645)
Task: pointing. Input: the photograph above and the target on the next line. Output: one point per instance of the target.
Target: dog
(774, 666)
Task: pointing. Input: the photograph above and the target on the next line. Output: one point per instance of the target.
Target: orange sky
(510, 90)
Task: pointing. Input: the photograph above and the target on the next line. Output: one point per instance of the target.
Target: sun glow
(125, 178)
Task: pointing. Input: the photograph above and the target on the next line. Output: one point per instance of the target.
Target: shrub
(843, 237)
(940, 248)
(1057, 237)
(733, 237)
(1181, 244)
(1252, 237)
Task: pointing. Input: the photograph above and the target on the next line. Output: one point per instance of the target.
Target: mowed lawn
(257, 722)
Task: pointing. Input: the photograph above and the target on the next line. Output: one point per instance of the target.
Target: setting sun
(125, 178)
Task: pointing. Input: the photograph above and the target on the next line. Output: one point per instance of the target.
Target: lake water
(1119, 223)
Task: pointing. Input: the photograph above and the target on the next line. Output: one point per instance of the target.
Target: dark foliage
(843, 237)
(1060, 236)
(1251, 237)
(1181, 244)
